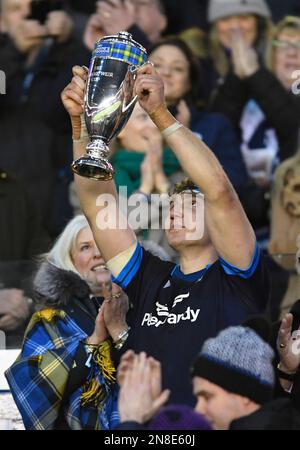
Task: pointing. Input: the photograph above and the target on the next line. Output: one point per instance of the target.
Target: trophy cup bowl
(109, 100)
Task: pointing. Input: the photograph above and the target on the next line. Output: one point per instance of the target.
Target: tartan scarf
(39, 376)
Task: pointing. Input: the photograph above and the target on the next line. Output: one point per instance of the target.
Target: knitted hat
(239, 361)
(178, 417)
(219, 9)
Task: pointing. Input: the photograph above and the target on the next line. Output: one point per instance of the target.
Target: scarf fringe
(93, 392)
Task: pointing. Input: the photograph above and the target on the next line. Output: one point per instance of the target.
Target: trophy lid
(121, 46)
(121, 36)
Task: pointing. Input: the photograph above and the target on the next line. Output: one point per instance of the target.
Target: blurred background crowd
(232, 77)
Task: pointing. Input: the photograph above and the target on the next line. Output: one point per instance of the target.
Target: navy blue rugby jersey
(173, 314)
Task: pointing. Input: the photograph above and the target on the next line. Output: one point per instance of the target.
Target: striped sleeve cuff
(130, 269)
(243, 273)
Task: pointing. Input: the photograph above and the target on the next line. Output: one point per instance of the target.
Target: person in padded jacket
(32, 56)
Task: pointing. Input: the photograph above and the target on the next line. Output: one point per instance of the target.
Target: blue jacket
(217, 132)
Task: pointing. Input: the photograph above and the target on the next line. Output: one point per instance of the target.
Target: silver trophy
(109, 100)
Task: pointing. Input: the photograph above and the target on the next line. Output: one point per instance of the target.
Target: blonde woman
(64, 377)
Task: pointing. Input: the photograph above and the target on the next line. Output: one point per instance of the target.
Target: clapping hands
(141, 395)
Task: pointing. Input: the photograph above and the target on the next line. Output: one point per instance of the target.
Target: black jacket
(276, 415)
(20, 227)
(30, 150)
(22, 239)
(183, 14)
(282, 108)
(287, 8)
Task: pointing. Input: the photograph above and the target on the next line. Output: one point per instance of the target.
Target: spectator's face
(149, 19)
(220, 407)
(246, 24)
(187, 222)
(173, 66)
(135, 135)
(287, 56)
(88, 261)
(14, 12)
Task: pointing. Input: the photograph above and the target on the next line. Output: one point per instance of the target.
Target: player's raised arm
(113, 240)
(229, 228)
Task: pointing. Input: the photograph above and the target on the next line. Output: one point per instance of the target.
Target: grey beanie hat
(219, 9)
(239, 361)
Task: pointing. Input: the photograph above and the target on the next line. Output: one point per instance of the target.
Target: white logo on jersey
(180, 298)
(168, 284)
(165, 316)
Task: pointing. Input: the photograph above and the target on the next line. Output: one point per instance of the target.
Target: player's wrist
(76, 127)
(162, 117)
(79, 131)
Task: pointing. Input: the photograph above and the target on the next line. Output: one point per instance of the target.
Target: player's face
(186, 222)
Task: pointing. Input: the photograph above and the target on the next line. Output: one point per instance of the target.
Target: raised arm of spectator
(112, 240)
(229, 228)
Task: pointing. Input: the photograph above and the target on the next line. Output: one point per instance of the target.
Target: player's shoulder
(155, 258)
(257, 266)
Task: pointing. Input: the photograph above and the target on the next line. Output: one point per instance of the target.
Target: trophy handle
(133, 70)
(87, 86)
(130, 104)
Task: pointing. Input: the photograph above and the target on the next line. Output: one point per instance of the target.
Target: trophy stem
(95, 164)
(97, 149)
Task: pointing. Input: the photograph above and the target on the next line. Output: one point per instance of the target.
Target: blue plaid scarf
(39, 377)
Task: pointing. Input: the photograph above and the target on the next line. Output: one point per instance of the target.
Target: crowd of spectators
(230, 72)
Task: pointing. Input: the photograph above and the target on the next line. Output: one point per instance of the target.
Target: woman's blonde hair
(217, 51)
(288, 23)
(61, 253)
(196, 40)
